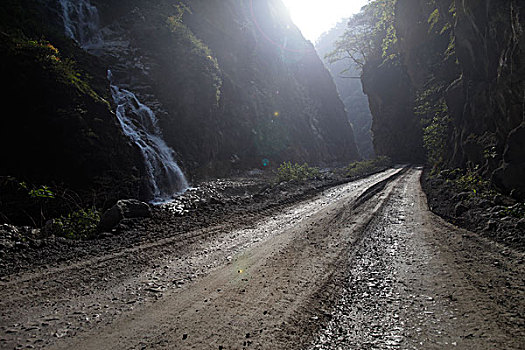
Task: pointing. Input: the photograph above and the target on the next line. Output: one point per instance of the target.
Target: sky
(314, 17)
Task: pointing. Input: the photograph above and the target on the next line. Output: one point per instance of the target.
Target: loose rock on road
(363, 265)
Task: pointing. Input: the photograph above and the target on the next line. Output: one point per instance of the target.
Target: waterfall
(138, 122)
(81, 23)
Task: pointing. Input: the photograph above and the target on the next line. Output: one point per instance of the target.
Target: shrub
(472, 182)
(288, 171)
(365, 167)
(517, 211)
(80, 224)
(50, 60)
(40, 192)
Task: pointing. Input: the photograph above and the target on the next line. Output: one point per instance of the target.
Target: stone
(124, 209)
(520, 225)
(6, 244)
(462, 196)
(491, 225)
(504, 200)
(484, 204)
(9, 231)
(459, 209)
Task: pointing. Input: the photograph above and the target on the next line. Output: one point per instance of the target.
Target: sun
(314, 17)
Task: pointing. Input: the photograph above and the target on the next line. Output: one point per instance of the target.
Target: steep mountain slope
(471, 61)
(448, 75)
(233, 84)
(350, 90)
(60, 130)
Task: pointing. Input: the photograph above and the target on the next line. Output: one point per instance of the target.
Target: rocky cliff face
(472, 60)
(346, 77)
(455, 83)
(234, 83)
(490, 46)
(396, 129)
(60, 128)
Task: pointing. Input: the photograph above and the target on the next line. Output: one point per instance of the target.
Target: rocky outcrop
(233, 83)
(461, 69)
(490, 46)
(396, 129)
(473, 57)
(60, 129)
(346, 77)
(124, 209)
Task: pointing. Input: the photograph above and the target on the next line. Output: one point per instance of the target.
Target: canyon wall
(233, 84)
(346, 75)
(457, 85)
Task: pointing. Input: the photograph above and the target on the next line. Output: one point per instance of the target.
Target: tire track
(47, 305)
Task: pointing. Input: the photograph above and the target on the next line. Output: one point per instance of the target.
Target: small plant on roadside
(288, 171)
(517, 211)
(472, 182)
(80, 224)
(365, 167)
(41, 196)
(38, 192)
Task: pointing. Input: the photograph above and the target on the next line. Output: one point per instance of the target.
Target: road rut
(361, 265)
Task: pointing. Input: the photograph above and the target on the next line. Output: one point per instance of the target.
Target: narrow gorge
(262, 174)
(198, 89)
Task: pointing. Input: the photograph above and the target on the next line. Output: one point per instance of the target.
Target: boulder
(460, 208)
(9, 231)
(520, 225)
(124, 209)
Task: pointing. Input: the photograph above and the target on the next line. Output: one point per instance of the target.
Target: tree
(370, 33)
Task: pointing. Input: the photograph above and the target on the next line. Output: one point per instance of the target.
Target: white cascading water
(165, 176)
(138, 122)
(81, 23)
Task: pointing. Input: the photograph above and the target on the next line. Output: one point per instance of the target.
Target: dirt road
(360, 266)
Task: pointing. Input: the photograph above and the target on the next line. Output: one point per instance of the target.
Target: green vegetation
(473, 183)
(288, 171)
(469, 180)
(41, 53)
(517, 211)
(370, 34)
(199, 56)
(40, 192)
(80, 224)
(365, 167)
(73, 218)
(430, 106)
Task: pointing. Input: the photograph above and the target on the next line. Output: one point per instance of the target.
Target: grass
(357, 169)
(288, 172)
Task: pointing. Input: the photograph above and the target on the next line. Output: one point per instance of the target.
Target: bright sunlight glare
(314, 17)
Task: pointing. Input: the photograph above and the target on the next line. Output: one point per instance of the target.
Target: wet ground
(362, 265)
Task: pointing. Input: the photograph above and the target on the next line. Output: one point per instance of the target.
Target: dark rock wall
(234, 84)
(471, 56)
(57, 125)
(490, 46)
(396, 129)
(346, 77)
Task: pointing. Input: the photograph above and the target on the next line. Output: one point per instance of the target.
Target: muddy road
(363, 265)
